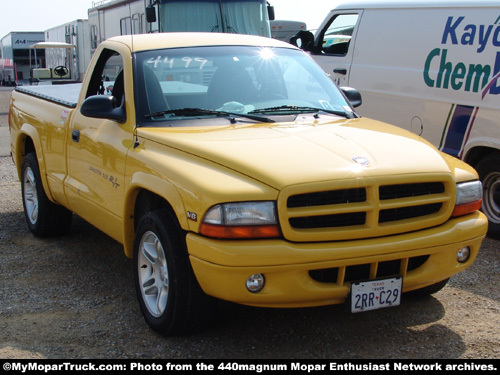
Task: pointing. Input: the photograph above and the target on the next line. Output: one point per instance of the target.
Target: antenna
(131, 23)
(136, 140)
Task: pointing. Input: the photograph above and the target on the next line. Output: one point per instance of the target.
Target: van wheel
(489, 173)
(170, 298)
(44, 218)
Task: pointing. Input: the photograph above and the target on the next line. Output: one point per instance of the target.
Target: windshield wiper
(201, 111)
(294, 108)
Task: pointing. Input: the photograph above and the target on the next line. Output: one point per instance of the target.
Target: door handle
(340, 71)
(75, 135)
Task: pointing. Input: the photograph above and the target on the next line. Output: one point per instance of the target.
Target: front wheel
(170, 298)
(43, 217)
(428, 290)
(489, 173)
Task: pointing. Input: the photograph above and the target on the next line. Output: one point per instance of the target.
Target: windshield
(223, 16)
(180, 83)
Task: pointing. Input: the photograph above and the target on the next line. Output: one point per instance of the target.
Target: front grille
(323, 213)
(410, 190)
(327, 197)
(327, 221)
(403, 213)
(369, 271)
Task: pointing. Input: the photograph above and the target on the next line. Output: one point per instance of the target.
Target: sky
(40, 15)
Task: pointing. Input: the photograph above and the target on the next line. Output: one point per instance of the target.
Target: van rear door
(334, 42)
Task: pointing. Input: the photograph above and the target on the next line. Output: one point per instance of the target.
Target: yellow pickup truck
(231, 167)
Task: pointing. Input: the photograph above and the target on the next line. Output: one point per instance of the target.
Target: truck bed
(66, 95)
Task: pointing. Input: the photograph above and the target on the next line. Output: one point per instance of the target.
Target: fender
(156, 185)
(29, 131)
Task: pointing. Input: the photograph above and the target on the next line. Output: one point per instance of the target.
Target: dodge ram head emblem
(361, 160)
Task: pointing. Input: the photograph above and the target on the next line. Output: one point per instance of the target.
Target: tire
(489, 174)
(169, 295)
(44, 218)
(428, 290)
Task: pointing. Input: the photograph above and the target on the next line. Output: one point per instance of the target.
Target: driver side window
(107, 78)
(337, 37)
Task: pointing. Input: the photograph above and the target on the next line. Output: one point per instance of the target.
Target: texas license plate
(376, 294)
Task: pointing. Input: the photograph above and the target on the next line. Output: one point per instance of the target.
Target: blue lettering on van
(471, 34)
(450, 30)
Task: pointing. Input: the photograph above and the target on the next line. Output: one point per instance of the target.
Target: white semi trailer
(126, 17)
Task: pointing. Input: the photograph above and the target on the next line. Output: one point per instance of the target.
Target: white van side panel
(439, 81)
(485, 131)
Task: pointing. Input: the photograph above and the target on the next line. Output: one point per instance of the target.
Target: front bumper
(291, 269)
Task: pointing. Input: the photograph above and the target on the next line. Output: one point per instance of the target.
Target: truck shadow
(331, 332)
(84, 281)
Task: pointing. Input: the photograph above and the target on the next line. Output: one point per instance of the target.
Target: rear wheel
(44, 218)
(170, 298)
(489, 173)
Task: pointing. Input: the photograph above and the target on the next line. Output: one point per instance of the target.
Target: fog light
(255, 283)
(463, 254)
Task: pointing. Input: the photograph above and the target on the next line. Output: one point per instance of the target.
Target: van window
(338, 35)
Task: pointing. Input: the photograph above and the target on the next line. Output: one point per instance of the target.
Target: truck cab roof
(144, 42)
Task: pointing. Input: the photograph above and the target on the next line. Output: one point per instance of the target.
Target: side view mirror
(150, 14)
(352, 95)
(304, 40)
(103, 106)
(270, 12)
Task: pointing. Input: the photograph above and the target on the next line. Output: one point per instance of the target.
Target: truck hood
(306, 150)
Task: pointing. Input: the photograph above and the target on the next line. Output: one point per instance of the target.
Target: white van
(432, 67)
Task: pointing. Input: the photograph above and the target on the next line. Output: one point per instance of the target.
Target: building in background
(15, 54)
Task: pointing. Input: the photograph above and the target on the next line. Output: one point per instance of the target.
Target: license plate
(376, 294)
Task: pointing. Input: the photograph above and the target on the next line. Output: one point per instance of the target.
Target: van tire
(489, 174)
(169, 295)
(44, 218)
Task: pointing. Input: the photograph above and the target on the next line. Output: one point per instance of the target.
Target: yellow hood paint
(282, 154)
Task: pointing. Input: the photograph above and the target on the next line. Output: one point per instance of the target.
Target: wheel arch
(147, 193)
(27, 142)
(476, 154)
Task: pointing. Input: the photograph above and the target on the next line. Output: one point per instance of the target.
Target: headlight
(469, 198)
(241, 220)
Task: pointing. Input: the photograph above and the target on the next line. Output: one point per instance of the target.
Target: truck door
(97, 149)
(334, 42)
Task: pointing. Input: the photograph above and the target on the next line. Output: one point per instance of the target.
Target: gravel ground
(73, 297)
